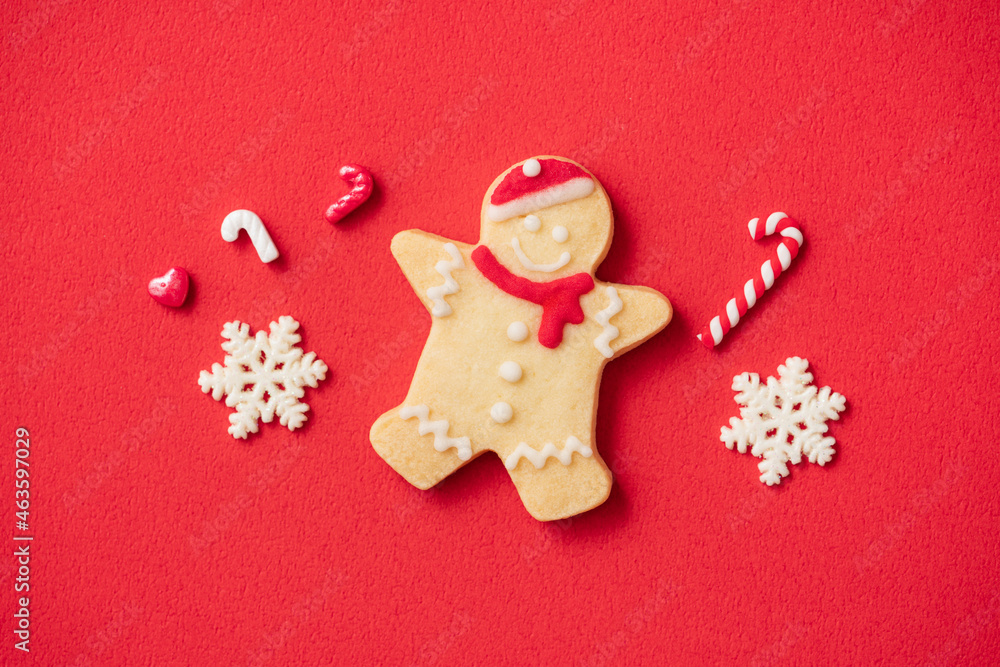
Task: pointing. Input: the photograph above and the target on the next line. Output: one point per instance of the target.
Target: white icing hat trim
(576, 188)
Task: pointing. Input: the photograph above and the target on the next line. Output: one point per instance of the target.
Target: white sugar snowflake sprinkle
(783, 419)
(263, 376)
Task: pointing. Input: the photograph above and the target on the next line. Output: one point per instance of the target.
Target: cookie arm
(636, 312)
(433, 266)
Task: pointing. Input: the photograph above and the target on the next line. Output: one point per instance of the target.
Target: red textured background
(130, 133)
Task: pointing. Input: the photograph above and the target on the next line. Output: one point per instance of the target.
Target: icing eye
(560, 234)
(532, 223)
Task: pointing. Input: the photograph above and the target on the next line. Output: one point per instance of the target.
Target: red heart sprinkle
(171, 288)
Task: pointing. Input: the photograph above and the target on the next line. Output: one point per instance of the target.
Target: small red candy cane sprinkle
(756, 286)
(363, 183)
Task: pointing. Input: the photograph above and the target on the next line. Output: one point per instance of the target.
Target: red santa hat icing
(538, 184)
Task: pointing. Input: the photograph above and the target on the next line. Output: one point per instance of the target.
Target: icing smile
(531, 266)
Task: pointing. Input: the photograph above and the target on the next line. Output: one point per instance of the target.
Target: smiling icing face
(547, 218)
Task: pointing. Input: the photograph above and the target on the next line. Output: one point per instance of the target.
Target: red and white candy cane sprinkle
(756, 286)
(363, 183)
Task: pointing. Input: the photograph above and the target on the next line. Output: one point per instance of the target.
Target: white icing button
(531, 168)
(532, 223)
(517, 331)
(510, 371)
(560, 234)
(501, 412)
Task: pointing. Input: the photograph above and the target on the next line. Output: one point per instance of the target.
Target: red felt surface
(128, 135)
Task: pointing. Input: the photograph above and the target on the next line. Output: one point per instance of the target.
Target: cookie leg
(572, 479)
(419, 446)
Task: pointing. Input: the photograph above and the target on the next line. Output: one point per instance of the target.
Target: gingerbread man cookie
(521, 332)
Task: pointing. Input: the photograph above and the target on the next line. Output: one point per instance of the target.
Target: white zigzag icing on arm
(538, 458)
(440, 430)
(604, 319)
(450, 286)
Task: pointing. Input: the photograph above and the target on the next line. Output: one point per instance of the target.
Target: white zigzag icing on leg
(604, 319)
(538, 458)
(440, 430)
(450, 286)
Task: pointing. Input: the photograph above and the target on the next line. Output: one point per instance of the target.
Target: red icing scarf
(559, 299)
